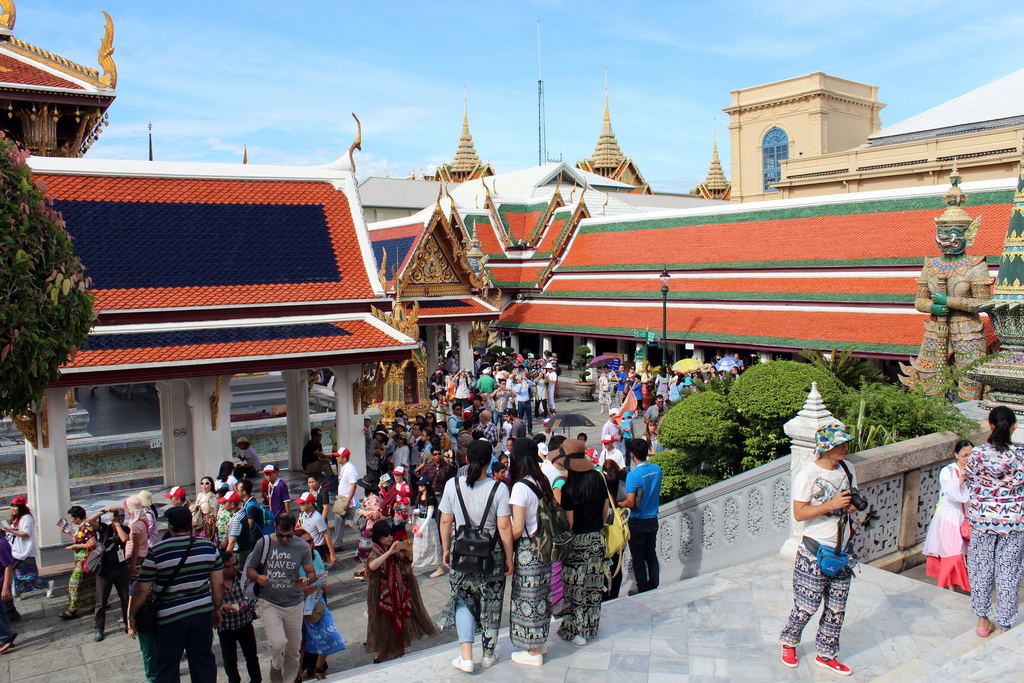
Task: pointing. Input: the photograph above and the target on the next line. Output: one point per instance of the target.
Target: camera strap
(846, 516)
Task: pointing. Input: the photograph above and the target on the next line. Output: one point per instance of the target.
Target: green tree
(676, 478)
(581, 359)
(45, 308)
(848, 369)
(767, 396)
(705, 429)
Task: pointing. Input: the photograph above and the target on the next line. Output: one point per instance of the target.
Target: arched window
(774, 149)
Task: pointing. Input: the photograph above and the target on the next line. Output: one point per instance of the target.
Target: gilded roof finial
(356, 144)
(8, 14)
(607, 153)
(466, 159)
(245, 154)
(106, 52)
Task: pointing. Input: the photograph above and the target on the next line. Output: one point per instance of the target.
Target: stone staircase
(724, 626)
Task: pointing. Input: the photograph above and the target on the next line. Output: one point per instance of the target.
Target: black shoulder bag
(473, 548)
(145, 617)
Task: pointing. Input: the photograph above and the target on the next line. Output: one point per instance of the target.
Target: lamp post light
(664, 277)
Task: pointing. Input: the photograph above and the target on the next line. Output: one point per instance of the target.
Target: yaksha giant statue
(949, 288)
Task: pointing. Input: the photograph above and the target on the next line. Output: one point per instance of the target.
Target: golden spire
(105, 54)
(607, 153)
(245, 154)
(466, 159)
(8, 14)
(716, 177)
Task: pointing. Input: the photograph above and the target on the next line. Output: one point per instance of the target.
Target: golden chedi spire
(607, 153)
(466, 159)
(715, 185)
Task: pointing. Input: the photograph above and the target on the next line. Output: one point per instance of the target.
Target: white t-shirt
(349, 475)
(316, 526)
(550, 471)
(229, 482)
(816, 485)
(615, 455)
(400, 457)
(22, 548)
(476, 499)
(526, 499)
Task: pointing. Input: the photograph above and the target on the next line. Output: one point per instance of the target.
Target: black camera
(857, 500)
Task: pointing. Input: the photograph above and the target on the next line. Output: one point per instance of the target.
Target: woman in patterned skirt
(21, 532)
(531, 577)
(995, 483)
(82, 586)
(585, 501)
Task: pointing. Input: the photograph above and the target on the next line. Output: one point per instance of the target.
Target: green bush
(705, 427)
(677, 480)
(580, 361)
(768, 395)
(902, 413)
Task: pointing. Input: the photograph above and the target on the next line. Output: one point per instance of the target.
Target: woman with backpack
(585, 501)
(530, 615)
(477, 507)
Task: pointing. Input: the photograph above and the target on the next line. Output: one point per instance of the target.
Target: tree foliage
(705, 429)
(580, 361)
(847, 369)
(901, 413)
(45, 308)
(677, 478)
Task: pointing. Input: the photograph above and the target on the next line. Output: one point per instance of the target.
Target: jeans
(229, 640)
(192, 635)
(643, 547)
(283, 629)
(465, 623)
(523, 408)
(148, 650)
(7, 634)
(117, 580)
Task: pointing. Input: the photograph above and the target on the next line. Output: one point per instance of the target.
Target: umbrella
(568, 420)
(686, 365)
(603, 359)
(728, 363)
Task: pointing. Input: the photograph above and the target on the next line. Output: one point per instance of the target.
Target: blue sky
(283, 78)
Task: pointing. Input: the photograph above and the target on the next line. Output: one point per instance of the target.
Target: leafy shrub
(46, 310)
(677, 480)
(580, 361)
(901, 413)
(705, 427)
(768, 395)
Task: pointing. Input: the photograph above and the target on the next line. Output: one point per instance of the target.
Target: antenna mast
(542, 143)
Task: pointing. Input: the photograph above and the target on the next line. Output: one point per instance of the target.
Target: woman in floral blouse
(995, 483)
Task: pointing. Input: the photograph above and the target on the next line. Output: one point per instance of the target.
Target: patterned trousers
(530, 605)
(809, 587)
(995, 558)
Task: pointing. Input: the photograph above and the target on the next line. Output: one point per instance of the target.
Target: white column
(430, 337)
(449, 336)
(592, 343)
(802, 429)
(176, 429)
(545, 343)
(765, 356)
(577, 342)
(46, 474)
(348, 419)
(465, 350)
(296, 399)
(211, 439)
(514, 341)
(698, 353)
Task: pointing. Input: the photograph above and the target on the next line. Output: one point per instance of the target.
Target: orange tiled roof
(14, 71)
(191, 242)
(818, 285)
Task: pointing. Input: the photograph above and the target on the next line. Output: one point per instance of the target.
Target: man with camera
(823, 498)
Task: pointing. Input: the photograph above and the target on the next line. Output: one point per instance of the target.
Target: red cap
(343, 453)
(19, 500)
(176, 492)
(270, 468)
(307, 497)
(232, 497)
(607, 439)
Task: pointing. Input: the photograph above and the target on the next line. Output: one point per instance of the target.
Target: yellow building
(818, 134)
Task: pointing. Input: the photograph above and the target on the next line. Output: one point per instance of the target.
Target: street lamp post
(665, 361)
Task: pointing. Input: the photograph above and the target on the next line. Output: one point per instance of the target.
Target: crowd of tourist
(436, 489)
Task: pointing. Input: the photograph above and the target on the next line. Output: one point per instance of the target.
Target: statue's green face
(951, 240)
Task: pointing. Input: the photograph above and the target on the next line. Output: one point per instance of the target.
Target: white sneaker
(527, 659)
(579, 640)
(49, 589)
(488, 660)
(463, 664)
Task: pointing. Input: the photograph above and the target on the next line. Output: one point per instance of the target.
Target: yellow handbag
(616, 534)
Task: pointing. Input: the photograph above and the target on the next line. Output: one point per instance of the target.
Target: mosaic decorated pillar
(176, 431)
(465, 350)
(1004, 374)
(46, 473)
(296, 399)
(209, 401)
(802, 430)
(349, 417)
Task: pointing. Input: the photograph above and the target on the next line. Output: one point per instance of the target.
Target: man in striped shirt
(189, 607)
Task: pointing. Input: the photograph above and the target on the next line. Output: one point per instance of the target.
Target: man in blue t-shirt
(643, 493)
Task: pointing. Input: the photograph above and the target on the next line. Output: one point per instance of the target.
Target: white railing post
(802, 430)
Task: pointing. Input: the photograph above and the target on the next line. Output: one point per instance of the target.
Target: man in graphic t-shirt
(821, 499)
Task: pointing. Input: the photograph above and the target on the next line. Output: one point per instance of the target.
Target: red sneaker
(789, 656)
(833, 665)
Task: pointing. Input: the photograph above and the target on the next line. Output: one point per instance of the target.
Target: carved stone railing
(748, 516)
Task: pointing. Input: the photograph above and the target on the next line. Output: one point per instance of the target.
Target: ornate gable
(438, 264)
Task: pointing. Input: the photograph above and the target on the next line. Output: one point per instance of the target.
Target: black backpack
(554, 533)
(473, 548)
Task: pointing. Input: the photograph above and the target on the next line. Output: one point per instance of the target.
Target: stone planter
(585, 391)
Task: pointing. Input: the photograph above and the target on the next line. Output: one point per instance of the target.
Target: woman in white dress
(426, 542)
(943, 546)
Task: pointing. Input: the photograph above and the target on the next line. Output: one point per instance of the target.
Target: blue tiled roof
(226, 335)
(127, 245)
(398, 248)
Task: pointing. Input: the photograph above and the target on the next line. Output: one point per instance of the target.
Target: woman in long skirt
(530, 616)
(82, 585)
(426, 542)
(944, 547)
(585, 499)
(395, 611)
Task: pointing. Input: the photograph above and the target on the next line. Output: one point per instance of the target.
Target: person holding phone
(114, 572)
